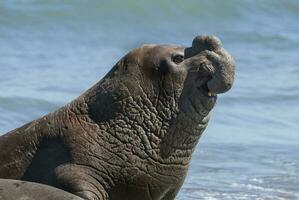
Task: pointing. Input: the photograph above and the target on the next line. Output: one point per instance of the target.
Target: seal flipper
(78, 180)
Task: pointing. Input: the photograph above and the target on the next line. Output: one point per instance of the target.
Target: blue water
(53, 50)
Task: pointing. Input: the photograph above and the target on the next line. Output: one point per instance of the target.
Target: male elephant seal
(132, 134)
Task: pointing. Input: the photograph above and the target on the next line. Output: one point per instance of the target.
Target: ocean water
(53, 50)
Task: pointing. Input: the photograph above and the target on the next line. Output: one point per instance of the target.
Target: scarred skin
(130, 136)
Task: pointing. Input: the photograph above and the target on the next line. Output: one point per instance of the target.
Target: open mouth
(205, 90)
(204, 76)
(203, 87)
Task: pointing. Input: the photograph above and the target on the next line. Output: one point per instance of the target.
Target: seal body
(22, 190)
(131, 135)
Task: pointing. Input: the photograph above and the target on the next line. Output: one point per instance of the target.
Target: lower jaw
(209, 102)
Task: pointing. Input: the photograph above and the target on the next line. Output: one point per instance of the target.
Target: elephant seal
(22, 190)
(132, 134)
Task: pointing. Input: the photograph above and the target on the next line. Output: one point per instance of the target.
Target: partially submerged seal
(130, 136)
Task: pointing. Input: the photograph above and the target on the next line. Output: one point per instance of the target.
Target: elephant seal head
(164, 95)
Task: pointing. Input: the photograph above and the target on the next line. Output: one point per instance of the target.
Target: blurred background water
(53, 50)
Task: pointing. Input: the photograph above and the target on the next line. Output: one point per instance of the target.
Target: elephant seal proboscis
(131, 135)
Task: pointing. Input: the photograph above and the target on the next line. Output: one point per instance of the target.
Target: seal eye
(178, 58)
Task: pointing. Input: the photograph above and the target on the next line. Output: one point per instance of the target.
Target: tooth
(209, 94)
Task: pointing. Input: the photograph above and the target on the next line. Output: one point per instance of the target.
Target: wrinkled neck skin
(161, 126)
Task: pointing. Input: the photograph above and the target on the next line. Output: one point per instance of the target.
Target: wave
(52, 10)
(20, 104)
